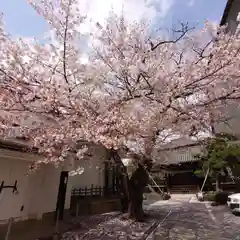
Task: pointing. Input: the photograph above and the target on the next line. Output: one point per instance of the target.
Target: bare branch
(183, 31)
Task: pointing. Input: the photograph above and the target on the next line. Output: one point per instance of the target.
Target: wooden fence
(93, 200)
(94, 191)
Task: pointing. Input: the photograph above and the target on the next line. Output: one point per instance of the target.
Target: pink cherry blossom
(134, 88)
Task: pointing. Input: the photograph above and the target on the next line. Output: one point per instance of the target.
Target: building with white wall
(91, 168)
(38, 193)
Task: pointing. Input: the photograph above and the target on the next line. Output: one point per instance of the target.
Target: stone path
(112, 229)
(188, 222)
(229, 224)
(181, 217)
(43, 230)
(189, 219)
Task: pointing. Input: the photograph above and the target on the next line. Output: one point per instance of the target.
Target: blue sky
(22, 20)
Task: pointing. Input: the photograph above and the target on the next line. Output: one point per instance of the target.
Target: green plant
(220, 152)
(221, 197)
(209, 196)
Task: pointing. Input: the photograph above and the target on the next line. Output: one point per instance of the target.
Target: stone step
(183, 189)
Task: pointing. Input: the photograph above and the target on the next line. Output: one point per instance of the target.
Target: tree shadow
(189, 222)
(115, 228)
(119, 228)
(229, 223)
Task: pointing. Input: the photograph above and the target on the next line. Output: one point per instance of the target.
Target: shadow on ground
(116, 228)
(228, 222)
(188, 223)
(193, 221)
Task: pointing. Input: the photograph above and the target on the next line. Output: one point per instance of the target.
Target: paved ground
(112, 229)
(188, 219)
(181, 217)
(32, 230)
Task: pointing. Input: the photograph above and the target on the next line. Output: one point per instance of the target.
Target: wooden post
(77, 210)
(9, 228)
(167, 182)
(57, 222)
(106, 176)
(157, 236)
(118, 176)
(91, 190)
(126, 236)
(113, 179)
(205, 179)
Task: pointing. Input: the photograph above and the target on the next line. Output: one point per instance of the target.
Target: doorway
(62, 189)
(184, 178)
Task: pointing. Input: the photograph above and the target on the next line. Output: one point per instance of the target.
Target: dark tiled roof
(176, 157)
(16, 146)
(226, 11)
(177, 152)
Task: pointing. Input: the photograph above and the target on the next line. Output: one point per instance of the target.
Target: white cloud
(164, 6)
(191, 3)
(134, 10)
(84, 58)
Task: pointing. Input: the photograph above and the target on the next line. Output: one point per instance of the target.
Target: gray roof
(182, 142)
(176, 152)
(226, 12)
(17, 145)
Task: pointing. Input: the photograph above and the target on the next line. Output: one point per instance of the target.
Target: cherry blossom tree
(136, 86)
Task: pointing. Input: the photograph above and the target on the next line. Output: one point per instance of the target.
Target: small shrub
(209, 196)
(221, 197)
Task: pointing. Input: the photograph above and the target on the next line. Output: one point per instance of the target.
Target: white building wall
(232, 126)
(43, 191)
(93, 169)
(38, 192)
(10, 204)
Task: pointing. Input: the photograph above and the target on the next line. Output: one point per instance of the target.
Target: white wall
(37, 192)
(233, 125)
(43, 191)
(10, 204)
(93, 169)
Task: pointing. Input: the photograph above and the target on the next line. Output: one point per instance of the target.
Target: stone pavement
(188, 219)
(43, 229)
(181, 217)
(112, 229)
(229, 224)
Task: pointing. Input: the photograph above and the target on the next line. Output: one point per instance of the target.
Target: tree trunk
(135, 208)
(236, 175)
(137, 183)
(237, 182)
(123, 181)
(132, 189)
(218, 183)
